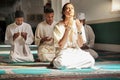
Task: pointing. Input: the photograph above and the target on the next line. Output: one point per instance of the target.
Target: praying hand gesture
(24, 35)
(15, 35)
(80, 39)
(46, 39)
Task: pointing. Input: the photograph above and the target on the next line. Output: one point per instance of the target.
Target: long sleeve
(91, 37)
(38, 35)
(30, 36)
(57, 35)
(83, 34)
(8, 36)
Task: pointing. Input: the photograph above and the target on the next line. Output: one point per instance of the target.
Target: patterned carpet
(107, 67)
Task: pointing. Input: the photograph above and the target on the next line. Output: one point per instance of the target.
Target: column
(57, 6)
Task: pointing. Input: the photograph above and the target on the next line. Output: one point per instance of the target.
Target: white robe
(89, 38)
(20, 51)
(46, 50)
(71, 56)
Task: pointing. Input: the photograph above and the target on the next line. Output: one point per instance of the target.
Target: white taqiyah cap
(81, 16)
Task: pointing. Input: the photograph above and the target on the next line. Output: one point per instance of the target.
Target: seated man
(19, 35)
(44, 36)
(88, 36)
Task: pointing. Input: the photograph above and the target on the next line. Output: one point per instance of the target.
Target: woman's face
(69, 10)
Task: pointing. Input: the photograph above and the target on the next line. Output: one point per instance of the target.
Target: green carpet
(37, 70)
(109, 66)
(78, 70)
(31, 71)
(2, 71)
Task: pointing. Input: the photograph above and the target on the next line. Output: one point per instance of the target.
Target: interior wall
(95, 9)
(57, 6)
(33, 10)
(33, 6)
(104, 22)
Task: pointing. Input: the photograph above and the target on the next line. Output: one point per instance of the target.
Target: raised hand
(79, 25)
(84, 46)
(15, 35)
(46, 39)
(24, 35)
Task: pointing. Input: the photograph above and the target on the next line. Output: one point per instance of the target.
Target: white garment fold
(20, 51)
(71, 56)
(46, 50)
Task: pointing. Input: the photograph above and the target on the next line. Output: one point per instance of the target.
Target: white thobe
(89, 38)
(20, 51)
(46, 50)
(71, 56)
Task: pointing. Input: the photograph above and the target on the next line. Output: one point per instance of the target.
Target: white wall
(95, 9)
(32, 7)
(98, 11)
(57, 6)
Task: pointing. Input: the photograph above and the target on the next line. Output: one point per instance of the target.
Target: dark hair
(63, 9)
(48, 10)
(19, 14)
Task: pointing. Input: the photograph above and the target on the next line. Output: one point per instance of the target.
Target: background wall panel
(108, 33)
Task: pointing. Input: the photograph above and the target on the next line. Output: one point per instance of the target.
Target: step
(6, 49)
